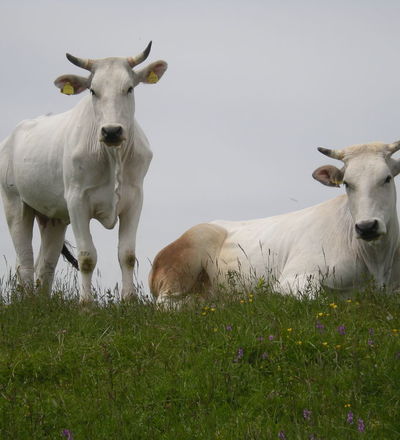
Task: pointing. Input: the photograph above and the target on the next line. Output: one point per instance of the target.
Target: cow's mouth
(369, 236)
(112, 142)
(368, 230)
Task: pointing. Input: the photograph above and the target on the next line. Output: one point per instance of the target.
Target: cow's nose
(114, 131)
(367, 228)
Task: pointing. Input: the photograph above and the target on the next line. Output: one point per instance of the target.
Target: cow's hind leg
(186, 266)
(52, 234)
(20, 219)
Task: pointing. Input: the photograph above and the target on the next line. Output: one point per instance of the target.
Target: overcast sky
(252, 88)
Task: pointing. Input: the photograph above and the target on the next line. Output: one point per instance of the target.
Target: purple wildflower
(260, 338)
(271, 337)
(228, 328)
(264, 355)
(313, 437)
(397, 355)
(239, 355)
(341, 330)
(67, 434)
(281, 435)
(350, 418)
(361, 425)
(371, 332)
(370, 342)
(307, 414)
(319, 326)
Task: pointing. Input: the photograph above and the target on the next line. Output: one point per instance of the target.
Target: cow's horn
(334, 154)
(134, 61)
(85, 63)
(395, 146)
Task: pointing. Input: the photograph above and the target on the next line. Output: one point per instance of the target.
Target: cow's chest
(105, 198)
(104, 205)
(110, 197)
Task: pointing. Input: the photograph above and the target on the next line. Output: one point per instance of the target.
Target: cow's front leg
(128, 224)
(87, 255)
(301, 285)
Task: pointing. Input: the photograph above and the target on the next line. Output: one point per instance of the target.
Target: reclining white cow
(340, 243)
(86, 163)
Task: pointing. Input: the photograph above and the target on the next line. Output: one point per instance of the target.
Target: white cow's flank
(89, 162)
(339, 244)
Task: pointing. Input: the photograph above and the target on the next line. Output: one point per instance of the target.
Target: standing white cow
(86, 163)
(339, 244)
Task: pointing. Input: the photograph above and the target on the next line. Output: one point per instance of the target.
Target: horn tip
(148, 48)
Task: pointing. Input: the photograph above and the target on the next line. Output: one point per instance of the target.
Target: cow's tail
(68, 256)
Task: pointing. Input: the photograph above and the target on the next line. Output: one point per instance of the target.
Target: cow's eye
(92, 92)
(345, 184)
(130, 90)
(388, 179)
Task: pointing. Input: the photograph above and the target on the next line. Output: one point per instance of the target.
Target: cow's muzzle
(368, 230)
(112, 135)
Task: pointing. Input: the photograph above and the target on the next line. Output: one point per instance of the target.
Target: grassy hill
(256, 366)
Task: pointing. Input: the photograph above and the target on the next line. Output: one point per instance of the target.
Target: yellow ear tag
(68, 89)
(152, 78)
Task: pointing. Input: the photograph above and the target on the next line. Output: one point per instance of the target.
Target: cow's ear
(72, 84)
(151, 73)
(328, 175)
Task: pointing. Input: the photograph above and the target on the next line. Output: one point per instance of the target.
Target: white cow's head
(111, 83)
(367, 174)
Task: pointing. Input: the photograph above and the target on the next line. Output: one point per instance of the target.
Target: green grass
(242, 369)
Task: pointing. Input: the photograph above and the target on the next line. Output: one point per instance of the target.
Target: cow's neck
(116, 180)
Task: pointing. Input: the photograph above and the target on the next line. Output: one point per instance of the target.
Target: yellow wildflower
(325, 344)
(289, 329)
(347, 405)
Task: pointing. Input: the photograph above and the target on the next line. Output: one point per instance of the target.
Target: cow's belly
(42, 189)
(271, 249)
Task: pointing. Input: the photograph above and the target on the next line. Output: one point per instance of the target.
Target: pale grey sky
(252, 89)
